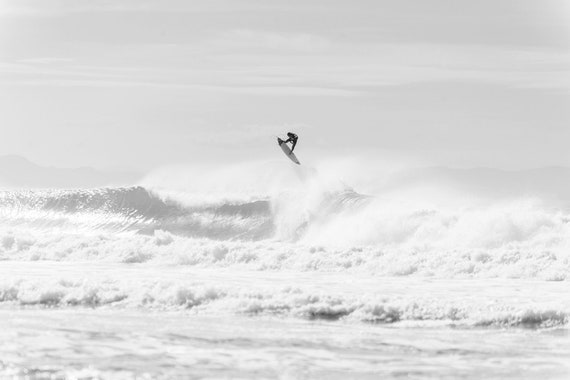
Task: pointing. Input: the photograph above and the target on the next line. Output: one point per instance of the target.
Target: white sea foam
(528, 259)
(323, 296)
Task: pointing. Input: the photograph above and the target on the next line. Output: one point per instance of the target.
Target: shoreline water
(115, 344)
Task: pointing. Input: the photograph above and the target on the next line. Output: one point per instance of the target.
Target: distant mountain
(16, 171)
(552, 182)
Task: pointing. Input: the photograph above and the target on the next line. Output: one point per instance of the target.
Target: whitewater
(265, 270)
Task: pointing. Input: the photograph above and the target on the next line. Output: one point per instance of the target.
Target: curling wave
(140, 210)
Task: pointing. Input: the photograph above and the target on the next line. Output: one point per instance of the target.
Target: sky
(136, 84)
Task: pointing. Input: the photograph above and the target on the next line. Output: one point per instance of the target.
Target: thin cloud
(46, 60)
(250, 90)
(259, 63)
(247, 39)
(57, 7)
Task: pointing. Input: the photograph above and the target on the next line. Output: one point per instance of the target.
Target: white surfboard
(287, 151)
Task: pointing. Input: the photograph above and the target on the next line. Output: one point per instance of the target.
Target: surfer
(292, 139)
(285, 148)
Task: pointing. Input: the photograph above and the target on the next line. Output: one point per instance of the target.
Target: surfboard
(287, 151)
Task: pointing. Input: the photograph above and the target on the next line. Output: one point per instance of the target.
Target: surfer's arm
(293, 147)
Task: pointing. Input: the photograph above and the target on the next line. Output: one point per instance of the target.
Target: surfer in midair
(292, 139)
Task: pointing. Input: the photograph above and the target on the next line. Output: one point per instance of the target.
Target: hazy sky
(138, 83)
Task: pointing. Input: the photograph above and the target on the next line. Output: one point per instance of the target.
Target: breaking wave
(311, 225)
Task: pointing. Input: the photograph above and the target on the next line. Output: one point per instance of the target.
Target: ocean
(274, 271)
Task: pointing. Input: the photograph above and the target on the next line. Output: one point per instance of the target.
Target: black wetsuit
(293, 139)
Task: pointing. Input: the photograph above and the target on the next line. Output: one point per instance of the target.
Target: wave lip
(134, 209)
